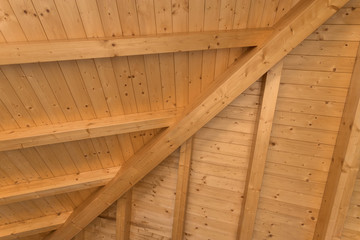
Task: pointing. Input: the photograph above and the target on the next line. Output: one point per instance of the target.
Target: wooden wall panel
(221, 152)
(153, 202)
(313, 89)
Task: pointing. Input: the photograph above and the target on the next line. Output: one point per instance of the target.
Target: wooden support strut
(293, 28)
(181, 190)
(344, 166)
(123, 216)
(257, 164)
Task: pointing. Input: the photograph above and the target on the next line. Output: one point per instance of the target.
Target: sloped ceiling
(312, 92)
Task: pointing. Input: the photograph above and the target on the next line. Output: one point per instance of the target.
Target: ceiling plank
(344, 165)
(293, 28)
(71, 131)
(123, 216)
(32, 226)
(182, 189)
(257, 165)
(56, 185)
(28, 52)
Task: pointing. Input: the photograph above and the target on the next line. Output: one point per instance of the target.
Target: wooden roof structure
(180, 119)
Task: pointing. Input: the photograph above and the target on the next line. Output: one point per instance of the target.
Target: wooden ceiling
(198, 117)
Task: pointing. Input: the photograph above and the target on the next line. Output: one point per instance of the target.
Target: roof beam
(32, 226)
(56, 185)
(257, 164)
(123, 216)
(181, 190)
(294, 27)
(71, 131)
(344, 165)
(15, 53)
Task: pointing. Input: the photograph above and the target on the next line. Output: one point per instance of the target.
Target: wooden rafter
(257, 163)
(295, 26)
(181, 190)
(123, 216)
(56, 185)
(32, 226)
(344, 166)
(13, 53)
(71, 131)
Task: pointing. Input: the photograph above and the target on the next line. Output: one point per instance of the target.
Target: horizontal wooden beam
(32, 226)
(293, 28)
(56, 185)
(46, 51)
(71, 131)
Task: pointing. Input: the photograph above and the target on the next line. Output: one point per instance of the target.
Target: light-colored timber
(14, 53)
(56, 185)
(123, 216)
(182, 190)
(57, 133)
(288, 33)
(259, 155)
(32, 226)
(344, 166)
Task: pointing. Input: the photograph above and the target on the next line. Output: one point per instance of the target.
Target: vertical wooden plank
(6, 120)
(153, 76)
(90, 16)
(25, 92)
(28, 19)
(138, 78)
(124, 83)
(50, 19)
(167, 71)
(123, 216)
(255, 14)
(242, 10)
(268, 16)
(78, 90)
(61, 90)
(180, 16)
(109, 85)
(110, 18)
(70, 18)
(196, 20)
(344, 165)
(149, 24)
(181, 190)
(163, 14)
(93, 86)
(211, 23)
(257, 164)
(226, 18)
(10, 26)
(41, 87)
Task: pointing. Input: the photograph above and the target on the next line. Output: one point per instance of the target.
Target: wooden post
(257, 163)
(123, 216)
(181, 190)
